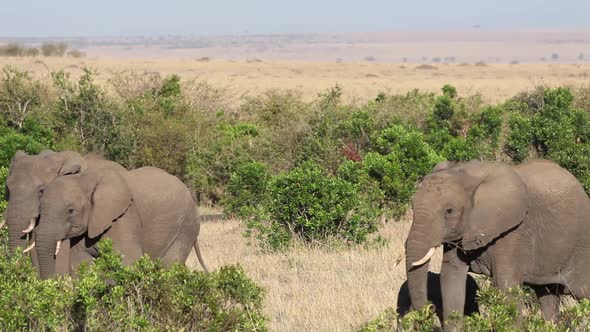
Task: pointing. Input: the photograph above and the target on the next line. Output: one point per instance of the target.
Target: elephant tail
(199, 256)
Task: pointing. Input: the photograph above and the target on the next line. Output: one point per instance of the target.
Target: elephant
(26, 182)
(525, 224)
(404, 303)
(143, 211)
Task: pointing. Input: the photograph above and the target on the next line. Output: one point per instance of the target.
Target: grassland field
(317, 289)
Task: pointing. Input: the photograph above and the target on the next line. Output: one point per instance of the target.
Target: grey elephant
(434, 296)
(143, 211)
(525, 224)
(26, 182)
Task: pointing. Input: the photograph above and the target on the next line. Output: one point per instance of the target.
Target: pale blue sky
(43, 18)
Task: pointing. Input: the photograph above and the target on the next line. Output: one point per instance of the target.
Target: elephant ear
(71, 162)
(499, 203)
(441, 166)
(110, 199)
(46, 152)
(19, 154)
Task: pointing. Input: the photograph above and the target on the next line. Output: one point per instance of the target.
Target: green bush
(20, 97)
(404, 157)
(561, 133)
(142, 297)
(11, 141)
(520, 138)
(459, 149)
(215, 155)
(484, 133)
(308, 204)
(498, 312)
(85, 112)
(29, 304)
(3, 201)
(247, 190)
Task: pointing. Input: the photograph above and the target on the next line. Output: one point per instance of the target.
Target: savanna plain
(313, 288)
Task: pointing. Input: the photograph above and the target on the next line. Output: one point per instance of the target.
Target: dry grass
(314, 289)
(495, 82)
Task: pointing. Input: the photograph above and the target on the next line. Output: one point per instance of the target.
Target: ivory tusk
(398, 260)
(29, 248)
(31, 226)
(57, 247)
(2, 223)
(425, 258)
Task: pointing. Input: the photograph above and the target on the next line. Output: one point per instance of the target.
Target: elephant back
(95, 163)
(164, 205)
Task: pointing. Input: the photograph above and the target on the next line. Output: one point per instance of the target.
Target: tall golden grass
(360, 81)
(312, 289)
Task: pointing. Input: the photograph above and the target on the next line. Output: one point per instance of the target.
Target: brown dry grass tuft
(495, 82)
(314, 289)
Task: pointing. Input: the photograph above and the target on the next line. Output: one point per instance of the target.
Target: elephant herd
(519, 224)
(60, 204)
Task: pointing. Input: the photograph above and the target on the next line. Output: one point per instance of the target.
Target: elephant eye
(71, 211)
(449, 211)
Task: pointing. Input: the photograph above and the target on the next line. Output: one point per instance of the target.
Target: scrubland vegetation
(323, 174)
(48, 49)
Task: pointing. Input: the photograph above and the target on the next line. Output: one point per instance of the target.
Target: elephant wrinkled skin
(525, 224)
(143, 211)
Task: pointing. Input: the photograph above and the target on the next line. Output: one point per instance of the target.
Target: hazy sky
(42, 18)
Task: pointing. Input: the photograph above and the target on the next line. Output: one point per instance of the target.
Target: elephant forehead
(436, 184)
(65, 188)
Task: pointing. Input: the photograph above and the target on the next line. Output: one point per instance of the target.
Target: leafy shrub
(404, 157)
(142, 297)
(54, 49)
(84, 111)
(3, 201)
(20, 95)
(484, 133)
(498, 312)
(520, 138)
(11, 141)
(216, 154)
(561, 133)
(459, 149)
(29, 304)
(13, 49)
(410, 109)
(246, 190)
(313, 206)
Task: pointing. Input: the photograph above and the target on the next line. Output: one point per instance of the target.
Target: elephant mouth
(473, 244)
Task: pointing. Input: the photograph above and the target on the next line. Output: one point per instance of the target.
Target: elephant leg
(549, 301)
(126, 237)
(78, 256)
(453, 277)
(404, 303)
(181, 247)
(505, 277)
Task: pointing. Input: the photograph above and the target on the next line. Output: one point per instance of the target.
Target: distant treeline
(47, 49)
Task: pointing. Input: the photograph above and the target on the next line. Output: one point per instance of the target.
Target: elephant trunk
(21, 217)
(417, 275)
(420, 246)
(16, 238)
(46, 243)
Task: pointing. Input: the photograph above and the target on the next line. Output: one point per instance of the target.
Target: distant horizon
(214, 35)
(70, 18)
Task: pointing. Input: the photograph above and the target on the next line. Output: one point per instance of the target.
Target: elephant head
(83, 204)
(27, 179)
(466, 206)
